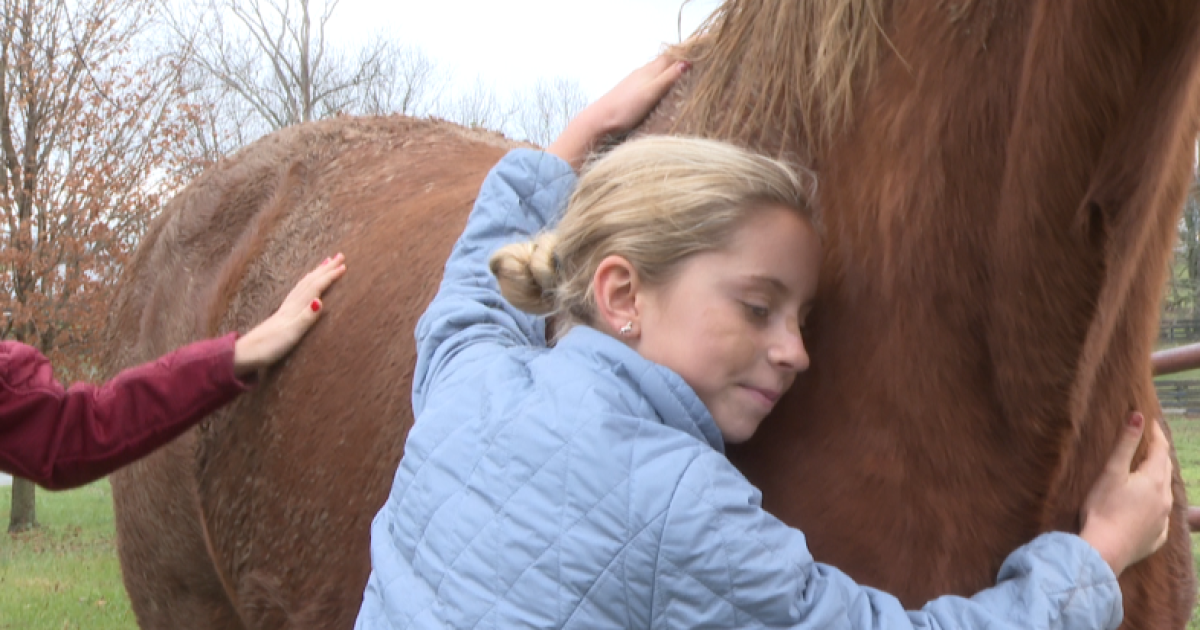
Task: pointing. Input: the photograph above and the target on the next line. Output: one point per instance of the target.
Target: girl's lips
(767, 396)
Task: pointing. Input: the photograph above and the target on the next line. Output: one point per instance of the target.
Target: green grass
(65, 574)
(1190, 375)
(1186, 435)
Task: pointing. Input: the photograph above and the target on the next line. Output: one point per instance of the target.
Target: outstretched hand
(1126, 513)
(269, 341)
(620, 110)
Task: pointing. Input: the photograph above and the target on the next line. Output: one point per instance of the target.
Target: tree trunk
(24, 507)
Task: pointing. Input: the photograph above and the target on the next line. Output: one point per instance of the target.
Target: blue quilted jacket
(582, 486)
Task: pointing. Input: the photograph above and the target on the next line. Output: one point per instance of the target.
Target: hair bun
(527, 273)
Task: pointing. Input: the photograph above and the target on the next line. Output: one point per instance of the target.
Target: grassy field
(1190, 375)
(1186, 435)
(65, 575)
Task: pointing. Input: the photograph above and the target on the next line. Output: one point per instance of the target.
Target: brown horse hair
(781, 65)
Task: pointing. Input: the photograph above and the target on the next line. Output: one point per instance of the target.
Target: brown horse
(1000, 186)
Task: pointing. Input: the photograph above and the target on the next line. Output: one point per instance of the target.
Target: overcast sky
(511, 43)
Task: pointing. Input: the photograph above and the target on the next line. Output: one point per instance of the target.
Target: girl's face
(730, 322)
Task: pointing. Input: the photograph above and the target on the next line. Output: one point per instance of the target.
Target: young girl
(584, 485)
(61, 438)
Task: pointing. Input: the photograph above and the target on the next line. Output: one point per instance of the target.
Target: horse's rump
(270, 499)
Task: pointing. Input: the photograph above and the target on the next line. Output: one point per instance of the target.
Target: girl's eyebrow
(774, 284)
(777, 287)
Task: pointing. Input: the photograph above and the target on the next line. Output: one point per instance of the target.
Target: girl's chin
(738, 431)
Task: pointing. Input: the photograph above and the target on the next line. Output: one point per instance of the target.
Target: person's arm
(468, 317)
(737, 565)
(65, 437)
(718, 540)
(62, 437)
(521, 196)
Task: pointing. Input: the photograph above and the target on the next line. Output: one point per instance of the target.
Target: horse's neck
(954, 184)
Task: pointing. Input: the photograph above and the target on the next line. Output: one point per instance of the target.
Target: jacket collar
(676, 404)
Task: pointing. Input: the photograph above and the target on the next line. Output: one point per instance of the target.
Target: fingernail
(315, 306)
(325, 262)
(1136, 420)
(684, 66)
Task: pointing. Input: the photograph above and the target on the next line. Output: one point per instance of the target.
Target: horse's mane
(781, 69)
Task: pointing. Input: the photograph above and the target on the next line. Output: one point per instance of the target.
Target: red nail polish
(315, 306)
(1136, 420)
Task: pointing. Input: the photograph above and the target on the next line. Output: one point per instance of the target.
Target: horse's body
(999, 209)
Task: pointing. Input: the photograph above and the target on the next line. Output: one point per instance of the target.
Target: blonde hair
(654, 201)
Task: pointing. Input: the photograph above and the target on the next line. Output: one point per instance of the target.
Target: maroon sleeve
(62, 438)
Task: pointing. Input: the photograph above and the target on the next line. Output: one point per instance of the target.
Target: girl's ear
(615, 287)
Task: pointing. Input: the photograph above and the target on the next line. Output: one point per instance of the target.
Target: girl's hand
(620, 110)
(269, 341)
(1126, 513)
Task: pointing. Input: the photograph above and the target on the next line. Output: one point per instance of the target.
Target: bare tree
(221, 121)
(536, 114)
(274, 55)
(479, 106)
(1183, 286)
(89, 135)
(544, 111)
(261, 65)
(407, 82)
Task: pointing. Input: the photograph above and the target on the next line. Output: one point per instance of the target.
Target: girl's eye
(756, 311)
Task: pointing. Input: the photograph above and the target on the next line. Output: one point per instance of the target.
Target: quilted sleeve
(724, 561)
(523, 194)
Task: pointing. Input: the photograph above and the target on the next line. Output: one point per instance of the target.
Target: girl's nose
(788, 351)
